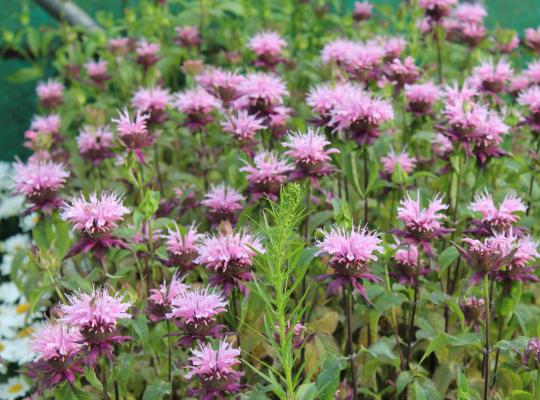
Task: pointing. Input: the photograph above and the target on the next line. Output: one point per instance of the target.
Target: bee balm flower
(501, 218)
(198, 105)
(182, 247)
(268, 46)
(133, 133)
(95, 143)
(160, 300)
(266, 175)
(50, 93)
(223, 202)
(152, 101)
(147, 53)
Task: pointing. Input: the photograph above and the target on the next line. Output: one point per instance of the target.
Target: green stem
(348, 306)
(413, 313)
(487, 344)
(537, 388)
(366, 182)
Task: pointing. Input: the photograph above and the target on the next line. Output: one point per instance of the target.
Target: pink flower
(506, 44)
(533, 72)
(182, 246)
(222, 84)
(441, 146)
(215, 369)
(324, 98)
(362, 10)
(421, 97)
(350, 253)
(470, 13)
(152, 101)
(97, 71)
(490, 77)
(309, 152)
(243, 126)
(46, 124)
(517, 84)
(133, 133)
(119, 45)
(360, 115)
(523, 252)
(531, 99)
(95, 143)
(230, 257)
(337, 51)
(501, 218)
(436, 9)
(402, 72)
(393, 47)
(456, 95)
(50, 93)
(363, 59)
(187, 36)
(407, 266)
(473, 309)
(268, 46)
(472, 34)
(266, 175)
(198, 104)
(40, 182)
(147, 53)
(532, 39)
(260, 92)
(390, 162)
(160, 300)
(223, 202)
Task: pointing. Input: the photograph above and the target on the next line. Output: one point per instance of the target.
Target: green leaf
(25, 74)
(150, 203)
(328, 379)
(91, 377)
(307, 391)
(157, 390)
(447, 257)
(403, 380)
(434, 345)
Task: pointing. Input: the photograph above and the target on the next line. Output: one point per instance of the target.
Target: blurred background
(18, 77)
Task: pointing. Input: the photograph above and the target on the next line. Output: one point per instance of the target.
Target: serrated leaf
(157, 390)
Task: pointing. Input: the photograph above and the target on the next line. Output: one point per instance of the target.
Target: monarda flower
(95, 143)
(39, 182)
(153, 102)
(421, 97)
(56, 347)
(436, 9)
(350, 253)
(498, 219)
(362, 10)
(407, 266)
(518, 269)
(243, 127)
(98, 71)
(268, 47)
(491, 78)
(322, 99)
(402, 72)
(470, 13)
(532, 39)
(133, 133)
(393, 47)
(421, 225)
(360, 115)
(363, 60)
(531, 354)
(266, 175)
(533, 72)
(473, 309)
(299, 334)
(195, 311)
(44, 133)
(95, 219)
(50, 93)
(223, 85)
(337, 51)
(160, 300)
(223, 203)
(260, 93)
(530, 98)
(310, 154)
(215, 370)
(229, 256)
(198, 105)
(187, 36)
(147, 53)
(441, 146)
(393, 160)
(96, 315)
(119, 45)
(182, 246)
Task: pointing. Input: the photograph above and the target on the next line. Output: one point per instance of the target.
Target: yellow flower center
(25, 332)
(15, 388)
(22, 308)
(2, 347)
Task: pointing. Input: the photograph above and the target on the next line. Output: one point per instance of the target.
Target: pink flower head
(490, 77)
(363, 59)
(119, 45)
(222, 84)
(39, 182)
(362, 10)
(390, 162)
(472, 34)
(268, 46)
(421, 224)
(473, 309)
(393, 47)
(324, 98)
(421, 97)
(531, 354)
(501, 218)
(488, 138)
(95, 143)
(243, 126)
(361, 115)
(147, 53)
(97, 71)
(50, 93)
(160, 300)
(187, 36)
(277, 120)
(223, 202)
(198, 105)
(402, 72)
(197, 306)
(532, 39)
(215, 370)
(230, 257)
(531, 99)
(260, 92)
(506, 43)
(350, 253)
(133, 133)
(470, 13)
(337, 51)
(407, 266)
(152, 101)
(533, 72)
(266, 175)
(310, 153)
(182, 246)
(518, 84)
(436, 9)
(522, 252)
(46, 124)
(441, 146)
(456, 95)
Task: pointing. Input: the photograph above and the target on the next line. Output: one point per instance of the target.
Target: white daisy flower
(5, 267)
(11, 206)
(16, 243)
(16, 387)
(9, 293)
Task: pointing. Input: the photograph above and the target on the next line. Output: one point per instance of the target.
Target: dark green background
(17, 102)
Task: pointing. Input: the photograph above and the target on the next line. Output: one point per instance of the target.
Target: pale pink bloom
(531, 98)
(97, 71)
(402, 72)
(408, 267)
(96, 216)
(198, 105)
(133, 133)
(362, 10)
(338, 50)
(436, 9)
(187, 36)
(147, 53)
(95, 143)
(532, 39)
(50, 93)
(507, 46)
(472, 34)
(518, 83)
(363, 59)
(267, 44)
(98, 311)
(119, 45)
(441, 145)
(533, 72)
(393, 46)
(525, 253)
(470, 13)
(421, 97)
(223, 202)
(502, 217)
(456, 95)
(222, 84)
(54, 341)
(261, 91)
(197, 306)
(491, 77)
(46, 124)
(165, 295)
(403, 159)
(308, 149)
(151, 99)
(211, 364)
(243, 126)
(324, 98)
(278, 118)
(266, 175)
(182, 246)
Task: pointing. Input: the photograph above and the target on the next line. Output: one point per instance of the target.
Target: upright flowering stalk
(153, 102)
(95, 143)
(421, 225)
(95, 219)
(195, 311)
(98, 72)
(161, 299)
(223, 203)
(50, 93)
(182, 247)
(198, 105)
(147, 53)
(229, 257)
(268, 47)
(56, 347)
(266, 175)
(215, 371)
(39, 182)
(496, 219)
(96, 315)
(134, 133)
